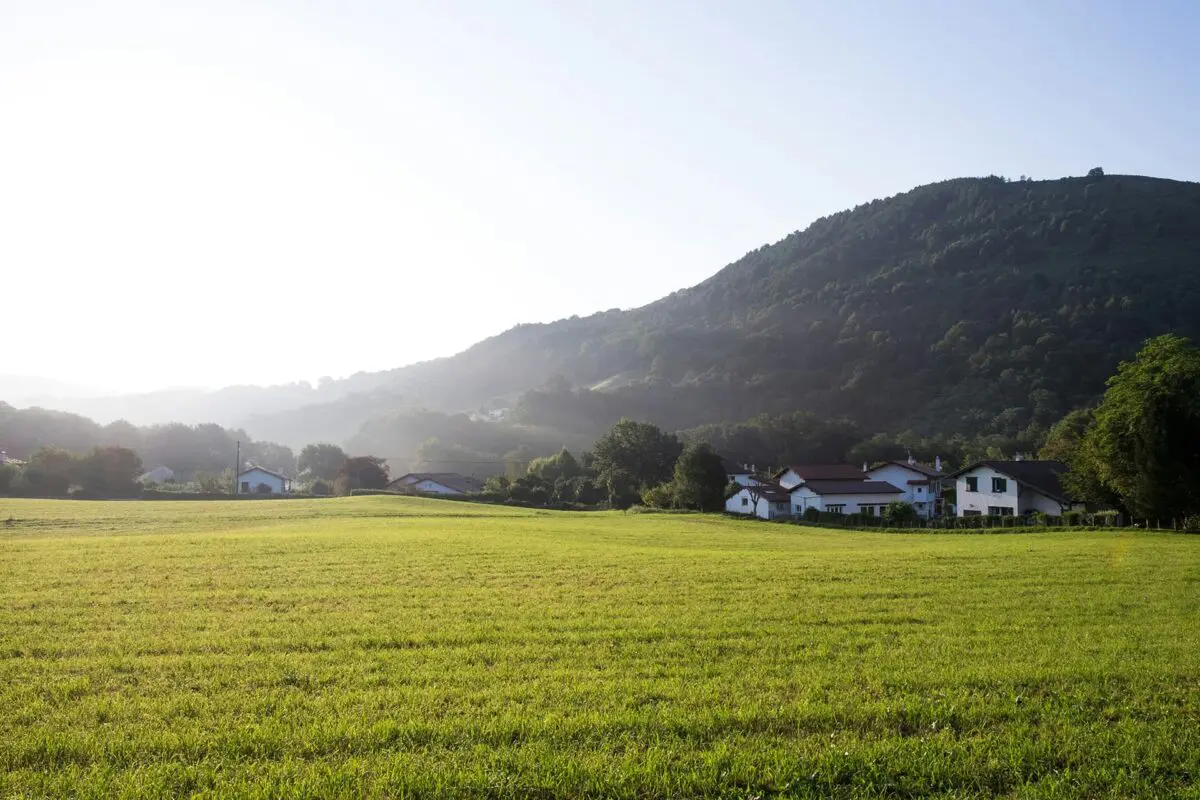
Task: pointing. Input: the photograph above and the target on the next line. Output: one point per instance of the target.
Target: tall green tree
(111, 471)
(362, 472)
(1144, 445)
(634, 456)
(699, 480)
(321, 461)
(560, 465)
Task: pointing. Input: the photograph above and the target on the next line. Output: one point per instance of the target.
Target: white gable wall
(984, 499)
(921, 497)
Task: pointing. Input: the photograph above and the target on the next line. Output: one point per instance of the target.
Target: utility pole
(237, 466)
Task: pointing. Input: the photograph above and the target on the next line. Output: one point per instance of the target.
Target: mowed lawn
(392, 647)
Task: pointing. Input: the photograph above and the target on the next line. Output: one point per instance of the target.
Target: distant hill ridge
(968, 305)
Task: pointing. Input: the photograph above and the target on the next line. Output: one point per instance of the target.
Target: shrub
(898, 512)
(812, 515)
(320, 488)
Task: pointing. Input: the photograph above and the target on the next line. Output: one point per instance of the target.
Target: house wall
(1033, 500)
(433, 487)
(985, 498)
(804, 498)
(254, 477)
(922, 497)
(764, 510)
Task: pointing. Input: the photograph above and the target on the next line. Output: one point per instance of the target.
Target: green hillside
(971, 306)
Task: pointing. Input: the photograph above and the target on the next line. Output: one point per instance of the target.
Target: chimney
(937, 463)
(864, 466)
(1019, 457)
(911, 460)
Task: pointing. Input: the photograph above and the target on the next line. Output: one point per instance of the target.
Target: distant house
(922, 484)
(795, 475)
(448, 483)
(1008, 488)
(159, 474)
(4, 459)
(844, 496)
(741, 474)
(253, 479)
(765, 501)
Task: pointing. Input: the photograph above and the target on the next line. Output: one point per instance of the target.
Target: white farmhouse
(445, 483)
(259, 480)
(1007, 488)
(844, 497)
(922, 484)
(765, 501)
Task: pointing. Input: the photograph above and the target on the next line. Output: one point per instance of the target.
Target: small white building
(844, 497)
(763, 501)
(160, 474)
(445, 483)
(1008, 488)
(922, 484)
(254, 479)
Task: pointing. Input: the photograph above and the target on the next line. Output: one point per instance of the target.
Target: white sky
(204, 193)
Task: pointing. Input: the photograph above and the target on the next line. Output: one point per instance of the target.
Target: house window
(781, 506)
(969, 513)
(972, 484)
(745, 502)
(999, 485)
(840, 508)
(868, 510)
(1000, 511)
(246, 487)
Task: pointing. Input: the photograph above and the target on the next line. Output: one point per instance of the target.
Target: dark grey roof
(772, 492)
(451, 480)
(827, 472)
(916, 466)
(1040, 475)
(850, 487)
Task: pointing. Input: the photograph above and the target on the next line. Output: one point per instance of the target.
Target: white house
(1007, 488)
(844, 497)
(765, 501)
(160, 474)
(742, 474)
(251, 481)
(922, 484)
(798, 474)
(447, 483)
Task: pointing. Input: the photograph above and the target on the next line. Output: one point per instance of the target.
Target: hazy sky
(216, 192)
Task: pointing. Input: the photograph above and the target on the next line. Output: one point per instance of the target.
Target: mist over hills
(975, 305)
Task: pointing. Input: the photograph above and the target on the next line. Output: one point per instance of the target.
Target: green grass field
(387, 647)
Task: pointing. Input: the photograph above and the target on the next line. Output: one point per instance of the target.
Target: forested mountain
(971, 306)
(977, 306)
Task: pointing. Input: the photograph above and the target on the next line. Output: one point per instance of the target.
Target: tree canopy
(1143, 445)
